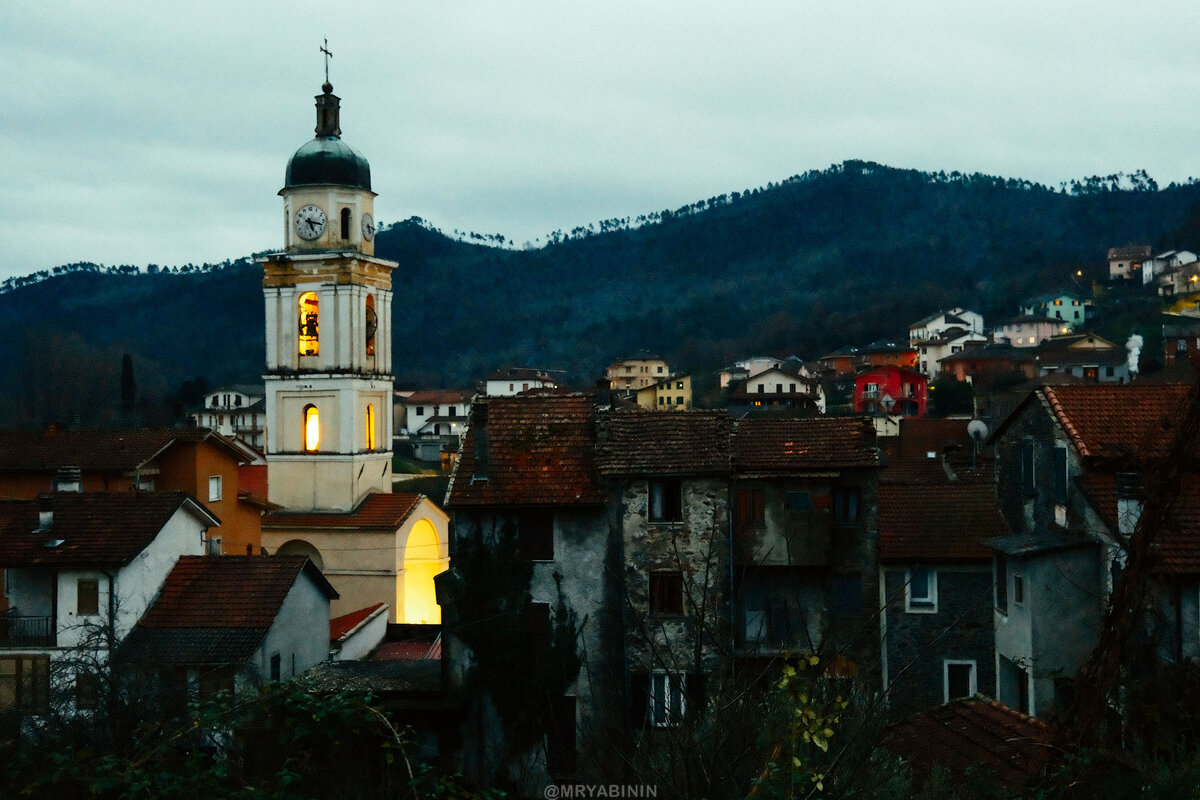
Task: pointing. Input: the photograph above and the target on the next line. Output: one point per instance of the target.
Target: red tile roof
(908, 458)
(415, 650)
(96, 530)
(639, 442)
(938, 522)
(340, 626)
(974, 734)
(95, 450)
(228, 591)
(1125, 421)
(379, 511)
(773, 446)
(435, 397)
(540, 451)
(1179, 542)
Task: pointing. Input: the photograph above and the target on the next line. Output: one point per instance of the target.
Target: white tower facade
(328, 329)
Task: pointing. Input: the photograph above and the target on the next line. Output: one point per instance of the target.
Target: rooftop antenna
(328, 55)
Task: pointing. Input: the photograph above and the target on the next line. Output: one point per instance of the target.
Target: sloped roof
(771, 445)
(993, 351)
(1066, 356)
(908, 458)
(888, 346)
(340, 626)
(974, 733)
(1178, 542)
(526, 373)
(539, 450)
(938, 522)
(1132, 251)
(116, 450)
(97, 530)
(433, 397)
(1118, 421)
(380, 511)
(844, 351)
(216, 609)
(638, 442)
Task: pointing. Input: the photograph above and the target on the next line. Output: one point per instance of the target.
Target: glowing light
(422, 561)
(312, 428)
(309, 324)
(370, 426)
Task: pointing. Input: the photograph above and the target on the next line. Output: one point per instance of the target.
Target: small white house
(936, 325)
(514, 380)
(237, 411)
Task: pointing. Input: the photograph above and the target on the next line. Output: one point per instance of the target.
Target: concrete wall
(300, 633)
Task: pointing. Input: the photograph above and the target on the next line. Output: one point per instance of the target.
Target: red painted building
(891, 390)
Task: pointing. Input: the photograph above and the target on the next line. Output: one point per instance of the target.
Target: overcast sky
(158, 132)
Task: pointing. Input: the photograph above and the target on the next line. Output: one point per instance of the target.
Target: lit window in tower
(308, 324)
(312, 428)
(370, 426)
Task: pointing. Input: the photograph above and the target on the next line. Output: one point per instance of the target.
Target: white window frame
(669, 717)
(921, 605)
(973, 683)
(214, 488)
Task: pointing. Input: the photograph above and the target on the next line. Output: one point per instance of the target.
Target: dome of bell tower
(326, 159)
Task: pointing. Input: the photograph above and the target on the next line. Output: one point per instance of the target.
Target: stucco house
(671, 394)
(936, 326)
(1028, 330)
(1071, 309)
(1071, 462)
(637, 372)
(238, 411)
(1084, 355)
(891, 390)
(82, 570)
(233, 623)
(433, 420)
(509, 381)
(1125, 263)
(787, 386)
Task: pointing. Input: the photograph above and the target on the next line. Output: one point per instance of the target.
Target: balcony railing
(26, 631)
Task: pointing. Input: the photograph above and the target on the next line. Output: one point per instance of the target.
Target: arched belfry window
(345, 223)
(372, 324)
(312, 429)
(308, 324)
(370, 426)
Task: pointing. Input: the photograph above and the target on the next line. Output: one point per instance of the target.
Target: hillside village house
(671, 394)
(785, 386)
(1172, 269)
(637, 372)
(200, 462)
(1028, 330)
(1125, 263)
(1069, 308)
(888, 353)
(748, 368)
(237, 412)
(1181, 339)
(936, 326)
(991, 364)
(843, 361)
(1084, 355)
(433, 420)
(932, 350)
(891, 390)
(508, 381)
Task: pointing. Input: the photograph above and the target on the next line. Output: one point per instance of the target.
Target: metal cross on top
(328, 55)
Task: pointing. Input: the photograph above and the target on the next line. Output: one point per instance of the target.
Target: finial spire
(328, 55)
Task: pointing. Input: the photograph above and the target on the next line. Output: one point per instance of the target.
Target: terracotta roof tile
(340, 626)
(434, 397)
(938, 522)
(1179, 542)
(415, 650)
(380, 511)
(637, 442)
(974, 733)
(1124, 421)
(540, 451)
(772, 446)
(908, 458)
(117, 450)
(95, 529)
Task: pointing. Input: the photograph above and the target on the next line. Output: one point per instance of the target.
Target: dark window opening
(666, 592)
(345, 223)
(87, 691)
(845, 506)
(88, 597)
(666, 500)
(275, 667)
(535, 532)
(750, 509)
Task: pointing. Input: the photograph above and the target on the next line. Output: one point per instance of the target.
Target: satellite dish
(977, 430)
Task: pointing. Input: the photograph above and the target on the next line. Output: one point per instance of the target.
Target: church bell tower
(328, 324)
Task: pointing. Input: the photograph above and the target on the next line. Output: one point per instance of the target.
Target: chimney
(45, 514)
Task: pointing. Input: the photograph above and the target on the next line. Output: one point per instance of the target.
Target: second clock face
(310, 222)
(368, 227)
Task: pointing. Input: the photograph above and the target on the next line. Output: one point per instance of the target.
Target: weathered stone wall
(919, 643)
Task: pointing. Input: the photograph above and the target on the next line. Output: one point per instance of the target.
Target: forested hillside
(845, 255)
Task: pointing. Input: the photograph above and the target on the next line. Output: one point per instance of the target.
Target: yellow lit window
(308, 324)
(312, 428)
(370, 426)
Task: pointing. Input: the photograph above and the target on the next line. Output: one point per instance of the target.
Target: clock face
(368, 227)
(310, 222)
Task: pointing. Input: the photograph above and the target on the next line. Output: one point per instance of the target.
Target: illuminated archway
(309, 324)
(422, 560)
(299, 547)
(370, 426)
(312, 428)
